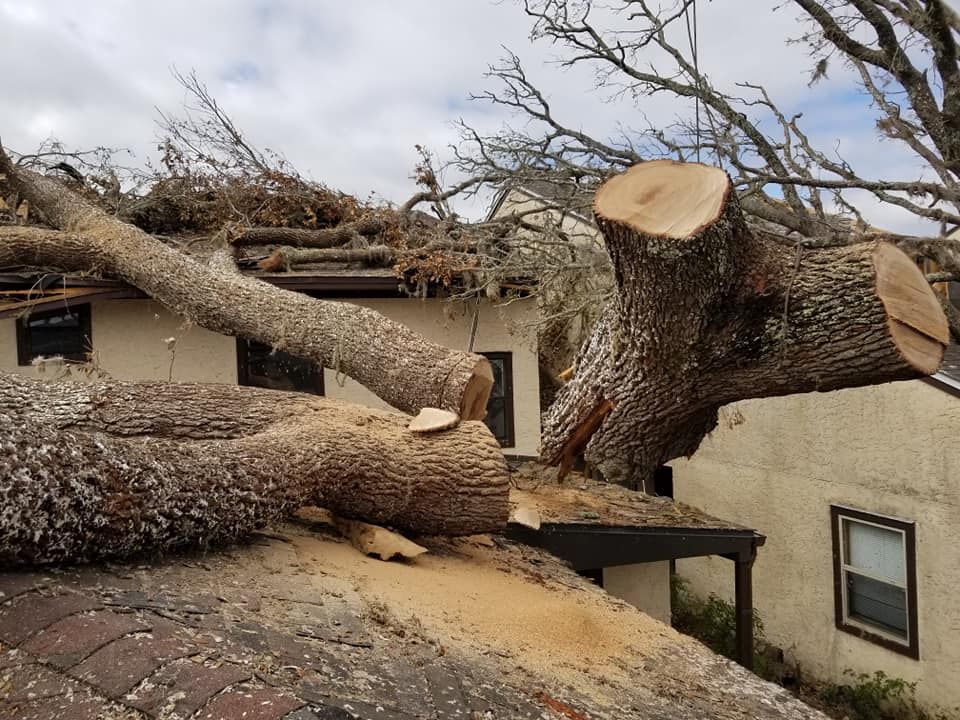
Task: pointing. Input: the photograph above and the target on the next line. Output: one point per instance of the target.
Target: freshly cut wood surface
(433, 420)
(663, 197)
(917, 322)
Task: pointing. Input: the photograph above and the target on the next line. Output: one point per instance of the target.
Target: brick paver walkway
(72, 647)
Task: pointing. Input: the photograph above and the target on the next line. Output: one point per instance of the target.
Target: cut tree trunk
(396, 363)
(117, 469)
(708, 312)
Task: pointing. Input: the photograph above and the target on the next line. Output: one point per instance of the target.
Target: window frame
(909, 647)
(25, 353)
(243, 370)
(510, 439)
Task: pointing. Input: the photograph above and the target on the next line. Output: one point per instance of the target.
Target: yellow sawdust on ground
(466, 594)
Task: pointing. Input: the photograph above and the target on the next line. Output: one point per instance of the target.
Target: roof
(297, 624)
(596, 524)
(578, 500)
(26, 291)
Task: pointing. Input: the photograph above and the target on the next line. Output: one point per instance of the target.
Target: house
(858, 495)
(131, 337)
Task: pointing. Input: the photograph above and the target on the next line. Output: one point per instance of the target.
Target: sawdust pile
(463, 593)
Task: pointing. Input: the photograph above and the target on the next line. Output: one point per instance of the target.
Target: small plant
(873, 697)
(713, 621)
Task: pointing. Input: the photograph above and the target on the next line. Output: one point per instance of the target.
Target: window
(57, 333)
(261, 366)
(875, 578)
(500, 408)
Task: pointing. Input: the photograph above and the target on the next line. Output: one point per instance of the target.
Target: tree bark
(115, 469)
(708, 312)
(301, 237)
(397, 364)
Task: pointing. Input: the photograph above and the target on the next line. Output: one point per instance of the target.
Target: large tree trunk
(399, 365)
(708, 312)
(115, 469)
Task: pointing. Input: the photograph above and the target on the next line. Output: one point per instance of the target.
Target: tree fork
(708, 312)
(399, 365)
(114, 469)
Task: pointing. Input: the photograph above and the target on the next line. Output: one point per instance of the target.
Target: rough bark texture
(117, 469)
(299, 237)
(708, 313)
(397, 364)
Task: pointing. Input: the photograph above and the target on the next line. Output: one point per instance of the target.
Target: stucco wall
(646, 586)
(129, 336)
(578, 229)
(449, 324)
(129, 340)
(892, 450)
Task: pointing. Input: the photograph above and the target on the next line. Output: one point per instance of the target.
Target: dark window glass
(500, 407)
(58, 333)
(877, 603)
(663, 481)
(261, 366)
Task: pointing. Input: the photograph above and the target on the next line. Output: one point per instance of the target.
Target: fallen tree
(709, 311)
(115, 469)
(399, 365)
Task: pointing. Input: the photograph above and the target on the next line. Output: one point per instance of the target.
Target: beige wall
(129, 339)
(449, 324)
(579, 229)
(646, 586)
(892, 450)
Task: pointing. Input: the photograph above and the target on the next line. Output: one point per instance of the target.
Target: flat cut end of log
(916, 321)
(433, 420)
(664, 198)
(473, 405)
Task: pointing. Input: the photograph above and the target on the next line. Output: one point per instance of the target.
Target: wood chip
(378, 541)
(526, 516)
(433, 420)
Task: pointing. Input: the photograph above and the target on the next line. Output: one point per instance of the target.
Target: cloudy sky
(346, 89)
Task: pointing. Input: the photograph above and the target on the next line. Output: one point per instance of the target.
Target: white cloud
(345, 90)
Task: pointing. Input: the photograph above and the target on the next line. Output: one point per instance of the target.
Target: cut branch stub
(708, 312)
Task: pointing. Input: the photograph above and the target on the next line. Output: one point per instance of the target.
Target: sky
(345, 90)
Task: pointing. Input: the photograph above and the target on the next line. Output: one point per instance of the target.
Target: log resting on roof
(114, 469)
(398, 364)
(709, 312)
